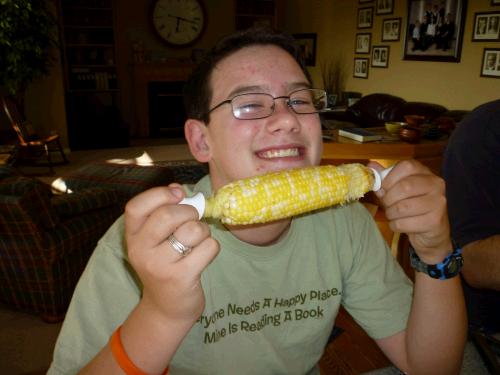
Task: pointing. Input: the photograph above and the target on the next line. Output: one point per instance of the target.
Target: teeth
(280, 153)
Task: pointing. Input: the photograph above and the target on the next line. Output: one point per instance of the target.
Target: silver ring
(179, 247)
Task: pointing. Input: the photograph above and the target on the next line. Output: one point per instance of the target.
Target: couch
(375, 109)
(46, 239)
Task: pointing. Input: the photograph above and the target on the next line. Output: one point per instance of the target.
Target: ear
(195, 132)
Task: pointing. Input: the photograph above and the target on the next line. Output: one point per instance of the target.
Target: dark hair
(197, 90)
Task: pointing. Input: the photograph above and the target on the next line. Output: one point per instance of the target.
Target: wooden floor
(352, 352)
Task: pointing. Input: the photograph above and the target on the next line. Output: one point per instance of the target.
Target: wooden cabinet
(91, 80)
(256, 12)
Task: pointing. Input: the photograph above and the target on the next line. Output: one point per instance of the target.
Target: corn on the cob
(288, 193)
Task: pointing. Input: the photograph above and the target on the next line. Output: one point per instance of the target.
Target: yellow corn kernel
(278, 195)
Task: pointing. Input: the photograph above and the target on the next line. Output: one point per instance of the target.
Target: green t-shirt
(269, 310)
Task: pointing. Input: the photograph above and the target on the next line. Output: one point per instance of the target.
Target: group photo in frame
(486, 26)
(365, 18)
(391, 29)
(360, 67)
(490, 66)
(380, 56)
(307, 44)
(363, 43)
(384, 7)
(434, 30)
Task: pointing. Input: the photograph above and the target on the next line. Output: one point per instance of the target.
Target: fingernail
(380, 193)
(177, 192)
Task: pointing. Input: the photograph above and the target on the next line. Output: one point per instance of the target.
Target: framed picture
(426, 41)
(486, 26)
(380, 56)
(363, 43)
(490, 66)
(365, 18)
(391, 29)
(495, 2)
(384, 7)
(360, 67)
(307, 43)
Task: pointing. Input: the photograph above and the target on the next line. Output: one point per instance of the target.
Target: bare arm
(172, 297)
(434, 339)
(482, 263)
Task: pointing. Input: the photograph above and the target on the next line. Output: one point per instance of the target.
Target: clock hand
(178, 18)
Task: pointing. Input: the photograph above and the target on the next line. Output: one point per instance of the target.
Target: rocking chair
(31, 146)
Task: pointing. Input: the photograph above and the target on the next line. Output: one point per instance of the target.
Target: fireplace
(166, 109)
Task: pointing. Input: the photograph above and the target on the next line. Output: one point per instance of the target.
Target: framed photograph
(384, 7)
(486, 26)
(363, 43)
(360, 67)
(491, 63)
(380, 56)
(365, 18)
(424, 40)
(307, 43)
(391, 29)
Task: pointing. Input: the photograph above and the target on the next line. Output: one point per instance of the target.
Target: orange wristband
(122, 358)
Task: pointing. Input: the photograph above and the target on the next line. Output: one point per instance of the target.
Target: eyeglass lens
(260, 105)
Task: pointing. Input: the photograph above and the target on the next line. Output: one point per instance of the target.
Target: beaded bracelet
(122, 358)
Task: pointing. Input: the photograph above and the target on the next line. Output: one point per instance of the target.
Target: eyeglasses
(254, 106)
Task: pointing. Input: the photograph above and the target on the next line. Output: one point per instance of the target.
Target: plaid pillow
(32, 203)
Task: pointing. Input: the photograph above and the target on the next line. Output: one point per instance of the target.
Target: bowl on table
(410, 134)
(393, 127)
(414, 120)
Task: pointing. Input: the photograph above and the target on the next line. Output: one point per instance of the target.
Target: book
(359, 134)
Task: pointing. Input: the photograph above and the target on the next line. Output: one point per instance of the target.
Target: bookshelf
(91, 82)
(256, 12)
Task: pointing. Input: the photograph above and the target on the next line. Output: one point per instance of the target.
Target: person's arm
(172, 299)
(482, 263)
(434, 339)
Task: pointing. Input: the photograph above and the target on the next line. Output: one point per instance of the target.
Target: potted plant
(27, 34)
(333, 73)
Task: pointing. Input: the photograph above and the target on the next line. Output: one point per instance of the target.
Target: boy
(260, 299)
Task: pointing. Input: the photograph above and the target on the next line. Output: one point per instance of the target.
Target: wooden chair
(31, 146)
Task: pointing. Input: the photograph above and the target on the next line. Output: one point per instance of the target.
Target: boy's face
(245, 148)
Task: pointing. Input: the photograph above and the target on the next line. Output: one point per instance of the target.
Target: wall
(454, 85)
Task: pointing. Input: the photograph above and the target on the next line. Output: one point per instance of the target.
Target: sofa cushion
(29, 202)
(126, 179)
(68, 205)
(185, 171)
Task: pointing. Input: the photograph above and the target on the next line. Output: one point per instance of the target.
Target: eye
(249, 104)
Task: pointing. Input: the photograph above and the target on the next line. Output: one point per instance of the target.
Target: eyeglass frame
(288, 97)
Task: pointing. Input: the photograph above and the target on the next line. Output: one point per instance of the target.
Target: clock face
(178, 22)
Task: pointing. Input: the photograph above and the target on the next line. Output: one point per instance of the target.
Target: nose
(284, 118)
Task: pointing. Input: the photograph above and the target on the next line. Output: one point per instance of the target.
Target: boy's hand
(172, 287)
(415, 203)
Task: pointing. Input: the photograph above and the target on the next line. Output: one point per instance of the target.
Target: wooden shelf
(91, 78)
(255, 12)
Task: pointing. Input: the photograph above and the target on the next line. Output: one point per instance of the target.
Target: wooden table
(387, 151)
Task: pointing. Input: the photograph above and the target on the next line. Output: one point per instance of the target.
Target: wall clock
(178, 22)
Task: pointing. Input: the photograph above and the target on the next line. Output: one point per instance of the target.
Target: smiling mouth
(285, 153)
